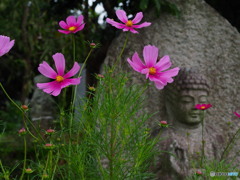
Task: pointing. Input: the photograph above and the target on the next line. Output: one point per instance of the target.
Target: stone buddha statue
(189, 88)
(183, 139)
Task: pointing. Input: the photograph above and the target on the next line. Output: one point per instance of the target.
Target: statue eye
(186, 99)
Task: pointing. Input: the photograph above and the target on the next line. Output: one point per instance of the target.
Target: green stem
(25, 157)
(55, 166)
(30, 122)
(74, 48)
(230, 142)
(50, 163)
(72, 111)
(120, 55)
(203, 142)
(46, 167)
(75, 89)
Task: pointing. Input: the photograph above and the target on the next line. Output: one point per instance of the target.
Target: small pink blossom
(152, 68)
(48, 145)
(72, 25)
(50, 131)
(61, 80)
(203, 106)
(5, 44)
(163, 124)
(199, 173)
(22, 131)
(238, 115)
(128, 25)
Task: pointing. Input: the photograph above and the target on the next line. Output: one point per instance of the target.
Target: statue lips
(194, 114)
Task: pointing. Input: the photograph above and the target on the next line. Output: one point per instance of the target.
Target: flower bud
(163, 124)
(50, 131)
(22, 131)
(28, 170)
(91, 88)
(199, 173)
(100, 76)
(24, 107)
(49, 146)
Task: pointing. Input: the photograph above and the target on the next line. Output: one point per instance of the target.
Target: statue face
(187, 113)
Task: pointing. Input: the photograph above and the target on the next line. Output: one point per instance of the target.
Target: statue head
(188, 89)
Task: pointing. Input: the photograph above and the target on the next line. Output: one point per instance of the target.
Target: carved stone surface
(184, 138)
(200, 38)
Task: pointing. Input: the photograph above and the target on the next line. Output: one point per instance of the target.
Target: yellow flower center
(72, 28)
(152, 70)
(59, 78)
(203, 107)
(129, 23)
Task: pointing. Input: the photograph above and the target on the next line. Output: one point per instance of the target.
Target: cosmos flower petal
(4, 41)
(46, 70)
(115, 24)
(53, 88)
(71, 20)
(137, 18)
(159, 85)
(59, 63)
(72, 81)
(5, 44)
(145, 71)
(171, 73)
(133, 31)
(56, 92)
(9, 46)
(238, 115)
(121, 14)
(150, 54)
(145, 24)
(80, 19)
(79, 28)
(164, 63)
(63, 25)
(135, 66)
(136, 59)
(164, 79)
(73, 71)
(64, 31)
(45, 85)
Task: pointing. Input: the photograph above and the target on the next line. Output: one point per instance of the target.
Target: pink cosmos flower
(61, 80)
(238, 115)
(203, 106)
(128, 25)
(72, 25)
(152, 68)
(5, 44)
